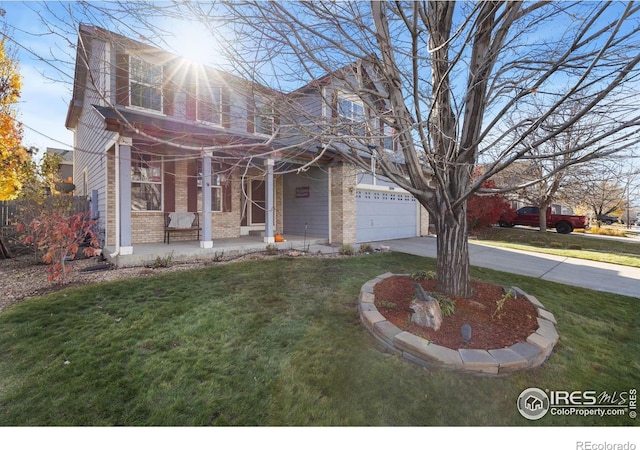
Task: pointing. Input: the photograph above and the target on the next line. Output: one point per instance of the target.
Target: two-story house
(155, 133)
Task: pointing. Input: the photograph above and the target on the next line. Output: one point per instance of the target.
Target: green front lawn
(575, 245)
(279, 342)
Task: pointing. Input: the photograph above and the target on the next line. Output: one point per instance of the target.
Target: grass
(574, 245)
(279, 342)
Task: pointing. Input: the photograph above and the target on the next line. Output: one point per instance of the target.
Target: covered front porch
(180, 251)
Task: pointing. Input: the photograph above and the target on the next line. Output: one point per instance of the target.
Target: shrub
(388, 305)
(366, 248)
(60, 237)
(606, 231)
(271, 249)
(347, 250)
(447, 305)
(161, 262)
(423, 275)
(485, 210)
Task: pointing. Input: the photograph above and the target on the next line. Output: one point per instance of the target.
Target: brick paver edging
(521, 356)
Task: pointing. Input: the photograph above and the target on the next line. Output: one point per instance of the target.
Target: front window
(351, 110)
(218, 179)
(264, 117)
(145, 81)
(146, 182)
(352, 116)
(209, 104)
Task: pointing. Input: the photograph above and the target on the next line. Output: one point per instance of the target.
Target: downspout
(329, 180)
(117, 196)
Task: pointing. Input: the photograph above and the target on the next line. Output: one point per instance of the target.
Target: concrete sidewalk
(576, 272)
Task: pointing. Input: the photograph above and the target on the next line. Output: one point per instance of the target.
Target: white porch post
(207, 241)
(269, 204)
(124, 194)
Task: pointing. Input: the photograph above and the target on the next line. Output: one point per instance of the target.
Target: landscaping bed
(494, 323)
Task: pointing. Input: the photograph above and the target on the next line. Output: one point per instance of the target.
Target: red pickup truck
(529, 216)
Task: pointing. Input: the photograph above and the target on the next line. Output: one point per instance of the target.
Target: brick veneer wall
(110, 225)
(343, 204)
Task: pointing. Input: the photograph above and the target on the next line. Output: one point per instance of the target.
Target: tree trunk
(5, 253)
(542, 214)
(453, 253)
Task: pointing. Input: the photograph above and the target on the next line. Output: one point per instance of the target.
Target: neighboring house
(65, 170)
(152, 130)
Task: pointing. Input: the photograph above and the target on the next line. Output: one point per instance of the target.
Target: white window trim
(266, 102)
(142, 108)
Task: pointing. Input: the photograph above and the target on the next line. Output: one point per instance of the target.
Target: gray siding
(90, 138)
(312, 210)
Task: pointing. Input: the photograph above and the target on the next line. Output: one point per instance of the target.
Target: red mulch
(511, 324)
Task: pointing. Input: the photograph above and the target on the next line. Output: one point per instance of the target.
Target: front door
(257, 202)
(254, 206)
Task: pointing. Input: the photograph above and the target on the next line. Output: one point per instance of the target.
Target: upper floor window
(353, 112)
(146, 182)
(209, 104)
(350, 109)
(264, 117)
(145, 83)
(388, 139)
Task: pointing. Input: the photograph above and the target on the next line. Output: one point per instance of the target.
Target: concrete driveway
(576, 272)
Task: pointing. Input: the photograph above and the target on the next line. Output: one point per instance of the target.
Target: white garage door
(384, 215)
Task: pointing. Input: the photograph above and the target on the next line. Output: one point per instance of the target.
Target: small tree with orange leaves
(60, 237)
(13, 157)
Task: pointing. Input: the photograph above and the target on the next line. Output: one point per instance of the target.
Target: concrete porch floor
(144, 254)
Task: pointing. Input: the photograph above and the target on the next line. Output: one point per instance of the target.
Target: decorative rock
(426, 309)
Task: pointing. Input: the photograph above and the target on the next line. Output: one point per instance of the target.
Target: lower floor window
(145, 197)
(216, 199)
(217, 181)
(146, 182)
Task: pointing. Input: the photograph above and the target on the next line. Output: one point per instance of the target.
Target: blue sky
(43, 103)
(47, 85)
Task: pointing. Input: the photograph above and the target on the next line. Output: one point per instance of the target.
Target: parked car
(529, 216)
(607, 220)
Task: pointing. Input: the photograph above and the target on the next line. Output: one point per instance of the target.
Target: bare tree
(445, 76)
(441, 78)
(550, 169)
(602, 187)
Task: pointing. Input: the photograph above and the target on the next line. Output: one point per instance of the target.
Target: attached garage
(385, 214)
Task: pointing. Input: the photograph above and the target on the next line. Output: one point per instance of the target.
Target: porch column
(207, 241)
(269, 202)
(124, 194)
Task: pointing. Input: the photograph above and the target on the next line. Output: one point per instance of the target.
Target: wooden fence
(13, 210)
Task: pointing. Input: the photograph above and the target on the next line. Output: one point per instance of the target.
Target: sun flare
(193, 41)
